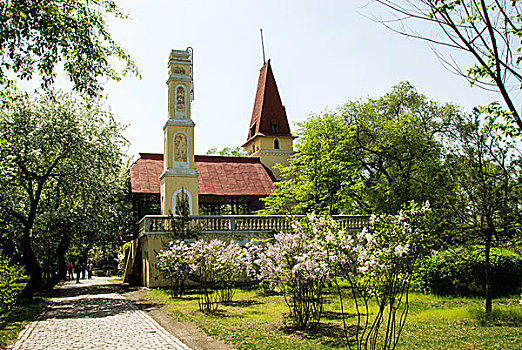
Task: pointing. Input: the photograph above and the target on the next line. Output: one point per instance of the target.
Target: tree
(369, 156)
(488, 31)
(486, 168)
(65, 181)
(322, 176)
(37, 36)
(228, 152)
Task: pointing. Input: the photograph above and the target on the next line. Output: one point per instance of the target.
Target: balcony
(240, 224)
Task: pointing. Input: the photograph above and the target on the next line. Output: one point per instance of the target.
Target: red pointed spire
(269, 114)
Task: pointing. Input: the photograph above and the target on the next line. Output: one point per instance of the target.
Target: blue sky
(323, 53)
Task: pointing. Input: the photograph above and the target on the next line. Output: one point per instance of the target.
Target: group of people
(80, 270)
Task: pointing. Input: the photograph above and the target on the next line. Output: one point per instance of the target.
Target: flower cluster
(216, 265)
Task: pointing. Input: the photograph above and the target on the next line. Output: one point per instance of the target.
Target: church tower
(269, 136)
(179, 178)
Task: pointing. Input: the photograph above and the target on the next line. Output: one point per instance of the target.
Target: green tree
(38, 36)
(486, 168)
(228, 152)
(399, 142)
(488, 31)
(65, 178)
(368, 156)
(323, 174)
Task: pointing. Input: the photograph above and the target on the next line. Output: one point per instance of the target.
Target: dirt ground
(185, 331)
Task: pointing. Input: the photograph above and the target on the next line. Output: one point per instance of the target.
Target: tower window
(253, 148)
(276, 144)
(275, 129)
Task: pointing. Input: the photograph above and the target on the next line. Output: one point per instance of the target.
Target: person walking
(70, 269)
(78, 270)
(89, 270)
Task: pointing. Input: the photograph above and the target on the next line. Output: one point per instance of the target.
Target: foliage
(9, 274)
(36, 37)
(173, 265)
(181, 228)
(228, 152)
(485, 168)
(460, 272)
(377, 265)
(217, 266)
(67, 180)
(294, 265)
(489, 32)
(369, 156)
(321, 177)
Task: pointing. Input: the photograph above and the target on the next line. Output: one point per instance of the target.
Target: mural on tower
(180, 148)
(180, 99)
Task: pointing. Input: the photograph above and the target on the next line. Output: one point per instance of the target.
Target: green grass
(23, 312)
(256, 321)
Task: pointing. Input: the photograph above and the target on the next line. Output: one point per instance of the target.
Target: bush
(460, 272)
(8, 276)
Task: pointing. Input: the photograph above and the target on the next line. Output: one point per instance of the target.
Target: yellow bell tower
(179, 177)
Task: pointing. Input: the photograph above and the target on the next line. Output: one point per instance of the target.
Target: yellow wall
(170, 184)
(270, 156)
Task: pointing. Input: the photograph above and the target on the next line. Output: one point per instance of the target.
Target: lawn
(257, 321)
(24, 312)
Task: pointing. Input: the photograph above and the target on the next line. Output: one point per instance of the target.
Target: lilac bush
(377, 265)
(296, 265)
(370, 269)
(217, 266)
(173, 265)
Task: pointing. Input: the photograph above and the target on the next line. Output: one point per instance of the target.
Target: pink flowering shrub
(378, 264)
(216, 265)
(173, 265)
(297, 265)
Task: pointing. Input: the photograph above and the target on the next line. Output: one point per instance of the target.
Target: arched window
(276, 144)
(253, 148)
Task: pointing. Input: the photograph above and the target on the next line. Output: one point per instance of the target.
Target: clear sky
(323, 54)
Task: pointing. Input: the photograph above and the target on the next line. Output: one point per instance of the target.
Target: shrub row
(460, 272)
(9, 274)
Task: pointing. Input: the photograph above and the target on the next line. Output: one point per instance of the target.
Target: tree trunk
(32, 267)
(487, 268)
(65, 241)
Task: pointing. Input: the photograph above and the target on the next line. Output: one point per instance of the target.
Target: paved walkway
(92, 315)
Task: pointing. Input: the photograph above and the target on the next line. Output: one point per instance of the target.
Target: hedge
(460, 272)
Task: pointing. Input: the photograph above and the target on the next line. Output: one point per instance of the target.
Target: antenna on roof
(190, 51)
(263, 46)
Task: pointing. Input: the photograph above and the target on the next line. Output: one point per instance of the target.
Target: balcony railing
(222, 224)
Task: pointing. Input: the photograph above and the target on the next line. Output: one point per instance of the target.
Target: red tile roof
(268, 108)
(222, 176)
(226, 176)
(145, 173)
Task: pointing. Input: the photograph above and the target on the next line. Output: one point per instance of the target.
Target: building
(213, 185)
